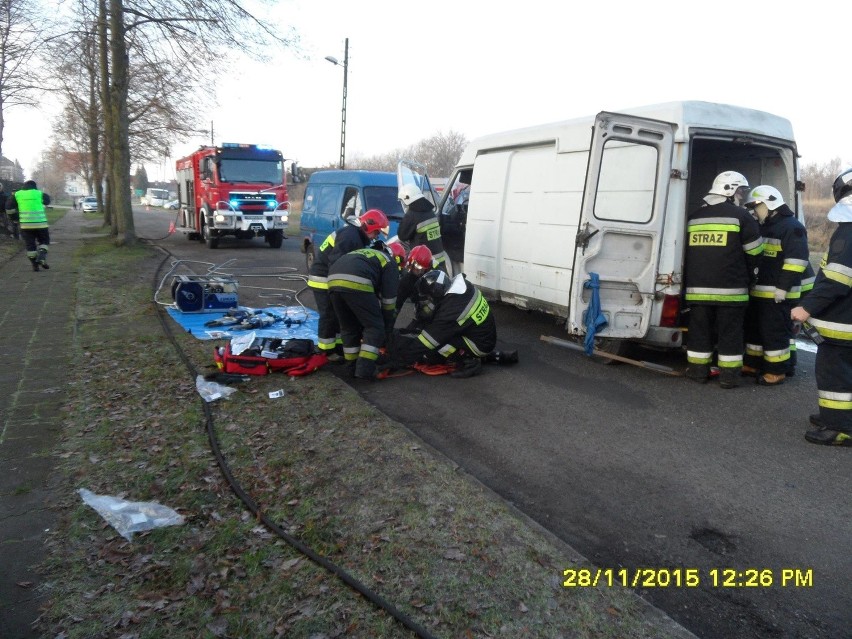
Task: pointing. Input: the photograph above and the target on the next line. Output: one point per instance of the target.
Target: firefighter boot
(697, 373)
(502, 357)
(468, 367)
(729, 378)
(35, 264)
(365, 368)
(41, 258)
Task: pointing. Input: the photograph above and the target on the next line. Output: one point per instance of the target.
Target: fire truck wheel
(275, 239)
(211, 240)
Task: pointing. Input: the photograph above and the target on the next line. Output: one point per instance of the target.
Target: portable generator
(202, 293)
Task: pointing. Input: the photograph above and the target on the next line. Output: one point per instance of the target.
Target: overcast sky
(477, 67)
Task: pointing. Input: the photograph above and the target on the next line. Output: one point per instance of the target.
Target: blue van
(333, 196)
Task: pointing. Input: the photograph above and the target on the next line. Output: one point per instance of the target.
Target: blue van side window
(385, 199)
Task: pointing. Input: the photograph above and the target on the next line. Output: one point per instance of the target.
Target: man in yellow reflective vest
(29, 202)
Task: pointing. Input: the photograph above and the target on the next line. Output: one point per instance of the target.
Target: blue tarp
(595, 319)
(299, 323)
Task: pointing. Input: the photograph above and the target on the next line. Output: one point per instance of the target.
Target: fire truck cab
(233, 189)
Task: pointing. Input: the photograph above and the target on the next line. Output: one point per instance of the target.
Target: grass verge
(333, 472)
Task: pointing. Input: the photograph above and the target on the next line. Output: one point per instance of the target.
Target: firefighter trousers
(328, 328)
(834, 385)
(362, 327)
(769, 331)
(715, 327)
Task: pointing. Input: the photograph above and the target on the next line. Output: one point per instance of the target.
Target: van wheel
(620, 347)
(309, 257)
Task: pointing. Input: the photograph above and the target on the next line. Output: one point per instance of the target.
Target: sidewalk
(36, 336)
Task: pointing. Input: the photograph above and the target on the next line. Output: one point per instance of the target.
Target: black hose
(255, 509)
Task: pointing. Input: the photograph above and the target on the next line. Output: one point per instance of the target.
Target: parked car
(89, 204)
(171, 204)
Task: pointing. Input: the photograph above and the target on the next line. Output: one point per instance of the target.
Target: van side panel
(522, 224)
(543, 198)
(484, 220)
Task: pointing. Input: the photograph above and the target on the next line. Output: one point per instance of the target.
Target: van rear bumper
(662, 337)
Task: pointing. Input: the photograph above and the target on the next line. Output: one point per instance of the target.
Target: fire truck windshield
(254, 171)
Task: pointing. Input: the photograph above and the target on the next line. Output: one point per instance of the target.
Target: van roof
(686, 115)
(354, 178)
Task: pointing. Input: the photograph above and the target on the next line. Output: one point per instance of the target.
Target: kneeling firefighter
(363, 286)
(455, 326)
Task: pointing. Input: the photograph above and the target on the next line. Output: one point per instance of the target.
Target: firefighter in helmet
(419, 225)
(362, 286)
(779, 284)
(722, 249)
(357, 233)
(456, 327)
(828, 307)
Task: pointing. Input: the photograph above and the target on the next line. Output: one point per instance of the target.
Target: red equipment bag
(267, 355)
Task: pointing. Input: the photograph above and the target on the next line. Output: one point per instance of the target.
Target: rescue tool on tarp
(245, 320)
(658, 368)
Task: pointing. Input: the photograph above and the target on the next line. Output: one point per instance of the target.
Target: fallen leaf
(455, 554)
(24, 584)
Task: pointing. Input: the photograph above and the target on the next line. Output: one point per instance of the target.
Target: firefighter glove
(780, 295)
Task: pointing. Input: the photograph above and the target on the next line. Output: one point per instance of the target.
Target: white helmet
(842, 185)
(769, 195)
(409, 193)
(727, 183)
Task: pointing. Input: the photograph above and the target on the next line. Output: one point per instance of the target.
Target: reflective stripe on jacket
(31, 209)
(830, 300)
(723, 246)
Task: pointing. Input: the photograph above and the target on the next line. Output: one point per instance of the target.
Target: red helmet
(419, 259)
(374, 222)
(398, 252)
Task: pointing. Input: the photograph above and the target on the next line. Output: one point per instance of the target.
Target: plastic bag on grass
(211, 391)
(128, 517)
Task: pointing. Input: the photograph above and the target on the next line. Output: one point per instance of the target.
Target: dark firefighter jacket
(421, 227)
(367, 270)
(722, 250)
(336, 244)
(784, 261)
(830, 300)
(462, 313)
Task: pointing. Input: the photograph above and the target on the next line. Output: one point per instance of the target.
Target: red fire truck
(233, 189)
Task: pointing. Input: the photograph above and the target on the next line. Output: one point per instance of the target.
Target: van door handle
(584, 235)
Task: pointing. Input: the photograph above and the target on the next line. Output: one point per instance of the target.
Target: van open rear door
(620, 230)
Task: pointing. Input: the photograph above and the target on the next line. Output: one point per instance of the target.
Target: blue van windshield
(385, 199)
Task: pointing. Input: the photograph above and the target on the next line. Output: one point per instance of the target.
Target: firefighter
(779, 284)
(358, 233)
(418, 262)
(28, 204)
(363, 285)
(828, 307)
(722, 252)
(420, 225)
(458, 328)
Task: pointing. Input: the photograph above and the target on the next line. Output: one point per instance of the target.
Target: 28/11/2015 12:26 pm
(687, 577)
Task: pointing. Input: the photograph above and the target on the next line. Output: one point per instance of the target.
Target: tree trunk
(103, 57)
(120, 166)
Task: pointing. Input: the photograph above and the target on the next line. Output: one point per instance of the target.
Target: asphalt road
(634, 469)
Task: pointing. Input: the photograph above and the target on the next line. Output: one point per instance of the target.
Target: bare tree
(193, 32)
(439, 154)
(21, 36)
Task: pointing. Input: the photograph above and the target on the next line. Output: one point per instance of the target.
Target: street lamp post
(345, 66)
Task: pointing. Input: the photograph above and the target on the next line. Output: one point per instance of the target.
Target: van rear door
(621, 222)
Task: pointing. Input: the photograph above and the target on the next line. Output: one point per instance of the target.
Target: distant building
(10, 171)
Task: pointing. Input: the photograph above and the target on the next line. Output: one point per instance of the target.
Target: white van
(610, 194)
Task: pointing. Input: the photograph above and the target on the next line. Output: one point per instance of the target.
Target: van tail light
(671, 311)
